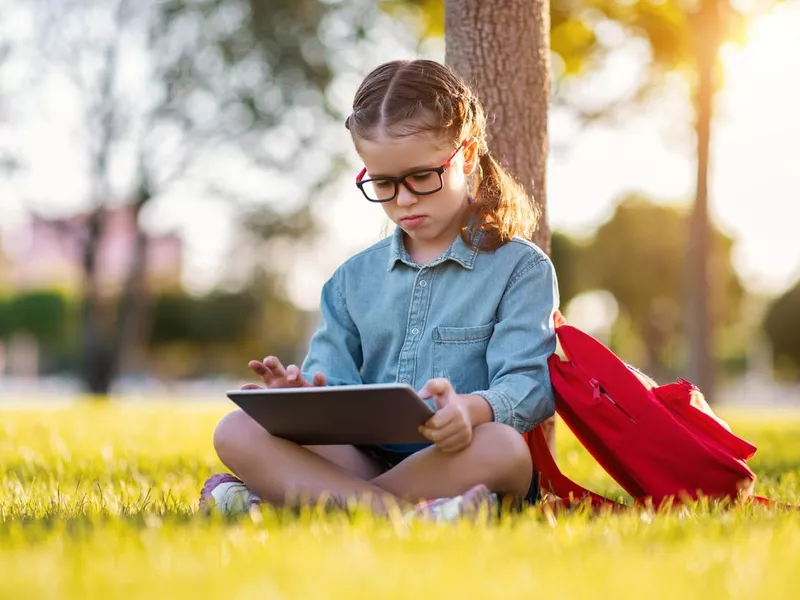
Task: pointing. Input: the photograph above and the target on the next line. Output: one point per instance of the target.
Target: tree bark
(95, 352)
(700, 330)
(502, 48)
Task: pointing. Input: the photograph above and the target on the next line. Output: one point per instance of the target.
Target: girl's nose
(404, 197)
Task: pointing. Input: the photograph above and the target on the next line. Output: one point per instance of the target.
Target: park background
(176, 184)
(195, 152)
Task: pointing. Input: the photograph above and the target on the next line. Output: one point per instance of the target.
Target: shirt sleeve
(335, 347)
(520, 393)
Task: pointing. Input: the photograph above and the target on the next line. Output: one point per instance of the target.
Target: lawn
(100, 501)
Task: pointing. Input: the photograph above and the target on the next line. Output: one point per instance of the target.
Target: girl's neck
(426, 252)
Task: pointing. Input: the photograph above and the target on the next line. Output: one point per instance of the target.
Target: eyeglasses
(422, 182)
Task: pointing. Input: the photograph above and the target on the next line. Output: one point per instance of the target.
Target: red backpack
(657, 442)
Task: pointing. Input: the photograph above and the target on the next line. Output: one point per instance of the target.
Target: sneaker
(450, 510)
(227, 494)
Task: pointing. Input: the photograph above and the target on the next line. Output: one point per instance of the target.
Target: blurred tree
(43, 317)
(782, 326)
(482, 38)
(633, 256)
(224, 330)
(567, 255)
(173, 88)
(43, 314)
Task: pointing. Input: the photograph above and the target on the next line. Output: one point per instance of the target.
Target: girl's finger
(443, 417)
(251, 386)
(275, 367)
(455, 443)
(320, 380)
(262, 371)
(293, 375)
(438, 435)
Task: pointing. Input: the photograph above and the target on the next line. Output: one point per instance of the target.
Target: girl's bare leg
(497, 457)
(279, 471)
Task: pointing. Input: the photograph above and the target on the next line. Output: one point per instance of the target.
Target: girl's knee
(232, 431)
(504, 440)
(509, 456)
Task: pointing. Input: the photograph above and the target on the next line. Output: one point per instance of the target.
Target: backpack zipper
(598, 392)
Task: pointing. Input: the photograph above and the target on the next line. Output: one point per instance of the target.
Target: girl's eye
(382, 184)
(421, 177)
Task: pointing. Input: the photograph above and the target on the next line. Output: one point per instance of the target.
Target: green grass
(100, 501)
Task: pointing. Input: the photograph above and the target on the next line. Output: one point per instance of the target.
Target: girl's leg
(280, 471)
(497, 457)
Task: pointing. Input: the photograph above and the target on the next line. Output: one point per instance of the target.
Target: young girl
(455, 303)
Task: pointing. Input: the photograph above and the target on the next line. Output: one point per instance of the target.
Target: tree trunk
(133, 302)
(502, 48)
(700, 331)
(95, 356)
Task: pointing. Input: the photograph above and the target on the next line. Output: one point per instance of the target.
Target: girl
(455, 303)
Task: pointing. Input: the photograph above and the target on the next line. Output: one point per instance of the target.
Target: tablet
(352, 414)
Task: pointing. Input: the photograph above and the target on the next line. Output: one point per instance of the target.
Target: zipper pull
(687, 384)
(595, 389)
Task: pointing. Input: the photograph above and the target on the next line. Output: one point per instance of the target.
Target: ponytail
(502, 209)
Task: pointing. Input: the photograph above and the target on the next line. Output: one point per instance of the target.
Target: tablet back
(360, 414)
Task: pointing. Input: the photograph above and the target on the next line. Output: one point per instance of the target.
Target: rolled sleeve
(520, 393)
(335, 347)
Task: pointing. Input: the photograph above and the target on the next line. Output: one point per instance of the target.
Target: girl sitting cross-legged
(456, 303)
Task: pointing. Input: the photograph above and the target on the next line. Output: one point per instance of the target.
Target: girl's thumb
(434, 387)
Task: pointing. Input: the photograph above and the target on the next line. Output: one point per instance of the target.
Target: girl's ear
(471, 158)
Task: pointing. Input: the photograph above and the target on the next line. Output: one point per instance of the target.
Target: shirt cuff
(502, 409)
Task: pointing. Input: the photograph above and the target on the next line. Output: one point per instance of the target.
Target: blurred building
(48, 254)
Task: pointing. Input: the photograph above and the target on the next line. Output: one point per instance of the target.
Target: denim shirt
(483, 320)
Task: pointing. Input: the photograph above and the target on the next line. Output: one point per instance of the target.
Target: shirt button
(423, 283)
(414, 331)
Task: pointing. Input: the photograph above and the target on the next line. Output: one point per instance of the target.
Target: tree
(633, 257)
(782, 326)
(220, 79)
(482, 38)
(568, 255)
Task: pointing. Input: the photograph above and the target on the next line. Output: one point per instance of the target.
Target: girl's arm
(335, 348)
(520, 393)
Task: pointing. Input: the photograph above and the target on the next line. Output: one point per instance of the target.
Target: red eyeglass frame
(402, 179)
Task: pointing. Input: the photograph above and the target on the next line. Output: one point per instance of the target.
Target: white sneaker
(227, 494)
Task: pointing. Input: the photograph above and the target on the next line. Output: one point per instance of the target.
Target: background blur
(176, 184)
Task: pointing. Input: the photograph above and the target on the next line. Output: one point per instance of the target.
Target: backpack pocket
(688, 406)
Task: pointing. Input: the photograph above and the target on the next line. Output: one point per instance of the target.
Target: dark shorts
(387, 457)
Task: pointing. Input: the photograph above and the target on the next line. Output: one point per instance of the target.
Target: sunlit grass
(100, 501)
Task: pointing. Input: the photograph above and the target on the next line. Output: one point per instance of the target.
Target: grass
(99, 501)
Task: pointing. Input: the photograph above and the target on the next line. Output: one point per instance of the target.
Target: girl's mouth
(413, 220)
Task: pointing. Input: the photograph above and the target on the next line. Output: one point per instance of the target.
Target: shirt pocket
(459, 355)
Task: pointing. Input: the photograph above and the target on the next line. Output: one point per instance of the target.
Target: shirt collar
(458, 252)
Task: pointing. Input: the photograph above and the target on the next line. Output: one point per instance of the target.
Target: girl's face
(431, 222)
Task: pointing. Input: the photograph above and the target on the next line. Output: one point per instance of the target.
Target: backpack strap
(762, 501)
(554, 482)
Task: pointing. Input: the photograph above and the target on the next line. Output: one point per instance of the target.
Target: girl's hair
(407, 97)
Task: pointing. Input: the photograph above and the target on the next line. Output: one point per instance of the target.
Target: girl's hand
(274, 375)
(451, 427)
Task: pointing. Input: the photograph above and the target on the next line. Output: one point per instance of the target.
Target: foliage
(100, 501)
(42, 314)
(219, 333)
(782, 326)
(220, 88)
(568, 257)
(639, 256)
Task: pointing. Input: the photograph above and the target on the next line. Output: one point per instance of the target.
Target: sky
(754, 190)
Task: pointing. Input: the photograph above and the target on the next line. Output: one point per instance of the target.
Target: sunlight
(757, 160)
